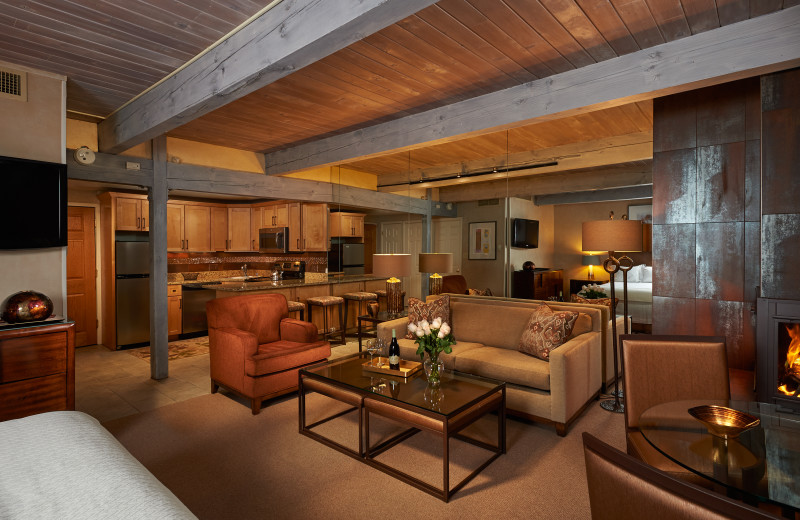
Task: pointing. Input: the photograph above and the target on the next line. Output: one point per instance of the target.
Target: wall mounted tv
(33, 204)
(525, 233)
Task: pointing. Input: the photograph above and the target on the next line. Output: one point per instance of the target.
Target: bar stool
(359, 297)
(296, 307)
(381, 294)
(325, 302)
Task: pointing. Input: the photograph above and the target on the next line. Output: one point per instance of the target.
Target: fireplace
(778, 353)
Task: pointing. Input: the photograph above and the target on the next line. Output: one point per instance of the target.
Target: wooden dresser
(37, 369)
(537, 285)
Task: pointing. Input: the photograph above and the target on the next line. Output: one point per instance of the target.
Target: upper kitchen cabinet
(314, 227)
(275, 215)
(219, 228)
(132, 212)
(188, 227)
(344, 224)
(175, 240)
(240, 235)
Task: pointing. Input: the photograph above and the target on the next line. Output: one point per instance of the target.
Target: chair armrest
(384, 330)
(574, 374)
(235, 342)
(230, 349)
(298, 331)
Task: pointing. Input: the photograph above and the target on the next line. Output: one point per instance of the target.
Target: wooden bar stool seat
(359, 297)
(325, 302)
(297, 307)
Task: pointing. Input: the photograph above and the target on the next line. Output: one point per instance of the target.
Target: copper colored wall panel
(752, 117)
(752, 260)
(720, 261)
(724, 318)
(721, 114)
(674, 187)
(673, 315)
(674, 273)
(780, 256)
(752, 181)
(780, 191)
(674, 119)
(720, 182)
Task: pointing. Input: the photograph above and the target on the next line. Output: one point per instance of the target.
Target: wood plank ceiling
(112, 50)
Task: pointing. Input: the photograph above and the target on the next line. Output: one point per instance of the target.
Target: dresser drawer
(174, 290)
(44, 394)
(33, 356)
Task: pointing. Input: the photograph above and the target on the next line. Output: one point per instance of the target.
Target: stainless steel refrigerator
(346, 258)
(133, 293)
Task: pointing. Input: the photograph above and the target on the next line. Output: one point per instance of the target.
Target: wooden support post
(159, 331)
(427, 240)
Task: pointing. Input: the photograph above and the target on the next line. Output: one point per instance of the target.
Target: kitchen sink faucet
(244, 270)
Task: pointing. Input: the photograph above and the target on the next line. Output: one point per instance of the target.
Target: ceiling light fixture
(464, 174)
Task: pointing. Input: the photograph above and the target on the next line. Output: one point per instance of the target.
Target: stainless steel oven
(273, 240)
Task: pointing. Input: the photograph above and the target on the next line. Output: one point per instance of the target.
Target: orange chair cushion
(284, 355)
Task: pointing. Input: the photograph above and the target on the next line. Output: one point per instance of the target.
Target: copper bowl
(724, 422)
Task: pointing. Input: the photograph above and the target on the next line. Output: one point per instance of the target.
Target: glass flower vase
(433, 367)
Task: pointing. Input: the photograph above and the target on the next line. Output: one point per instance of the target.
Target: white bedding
(640, 300)
(65, 465)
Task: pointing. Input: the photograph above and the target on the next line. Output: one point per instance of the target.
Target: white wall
(543, 256)
(34, 129)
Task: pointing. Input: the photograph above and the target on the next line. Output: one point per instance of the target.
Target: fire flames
(792, 358)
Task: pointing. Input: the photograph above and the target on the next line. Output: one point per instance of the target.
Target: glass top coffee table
(458, 401)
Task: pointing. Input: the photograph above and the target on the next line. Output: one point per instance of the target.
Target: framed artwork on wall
(482, 240)
(642, 212)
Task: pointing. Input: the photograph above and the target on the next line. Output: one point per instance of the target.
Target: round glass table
(760, 465)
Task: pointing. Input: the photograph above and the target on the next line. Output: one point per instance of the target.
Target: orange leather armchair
(256, 350)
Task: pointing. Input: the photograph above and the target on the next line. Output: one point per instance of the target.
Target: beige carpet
(222, 462)
(179, 349)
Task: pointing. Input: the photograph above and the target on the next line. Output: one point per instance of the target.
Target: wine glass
(379, 348)
(372, 348)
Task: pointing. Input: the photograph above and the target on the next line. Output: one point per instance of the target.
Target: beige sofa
(487, 331)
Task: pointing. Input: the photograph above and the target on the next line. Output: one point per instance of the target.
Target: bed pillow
(418, 310)
(546, 330)
(647, 274)
(635, 274)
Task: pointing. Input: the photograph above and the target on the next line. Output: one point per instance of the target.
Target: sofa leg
(214, 387)
(255, 405)
(561, 429)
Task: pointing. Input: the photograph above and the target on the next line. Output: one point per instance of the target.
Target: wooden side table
(576, 285)
(380, 318)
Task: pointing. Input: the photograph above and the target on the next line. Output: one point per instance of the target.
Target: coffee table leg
(446, 464)
(301, 401)
(359, 333)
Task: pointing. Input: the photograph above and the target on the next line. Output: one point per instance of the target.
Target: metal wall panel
(674, 273)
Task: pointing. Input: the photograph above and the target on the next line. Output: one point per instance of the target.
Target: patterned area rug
(177, 349)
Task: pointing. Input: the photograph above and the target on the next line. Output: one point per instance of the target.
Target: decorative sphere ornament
(27, 306)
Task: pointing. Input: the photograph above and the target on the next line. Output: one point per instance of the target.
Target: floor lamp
(614, 236)
(435, 263)
(393, 266)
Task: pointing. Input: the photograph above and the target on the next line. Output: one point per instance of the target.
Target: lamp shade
(612, 235)
(391, 265)
(435, 262)
(591, 260)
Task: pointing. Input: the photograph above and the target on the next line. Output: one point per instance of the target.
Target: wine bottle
(560, 296)
(394, 353)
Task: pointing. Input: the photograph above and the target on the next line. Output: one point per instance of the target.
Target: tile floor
(112, 384)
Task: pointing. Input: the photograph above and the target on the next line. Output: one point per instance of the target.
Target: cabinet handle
(137, 223)
(180, 303)
(187, 244)
(298, 243)
(144, 222)
(254, 244)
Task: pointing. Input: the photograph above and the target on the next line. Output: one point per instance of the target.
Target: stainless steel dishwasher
(194, 307)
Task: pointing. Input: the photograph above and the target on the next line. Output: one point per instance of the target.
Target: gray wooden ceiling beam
(109, 168)
(756, 46)
(608, 195)
(282, 40)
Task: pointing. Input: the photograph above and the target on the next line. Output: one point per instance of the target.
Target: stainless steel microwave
(273, 240)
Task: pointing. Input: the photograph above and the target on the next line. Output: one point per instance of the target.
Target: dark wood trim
(561, 428)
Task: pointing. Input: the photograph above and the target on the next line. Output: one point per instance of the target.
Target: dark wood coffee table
(408, 402)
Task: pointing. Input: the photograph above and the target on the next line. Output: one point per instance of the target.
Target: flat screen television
(33, 204)
(525, 233)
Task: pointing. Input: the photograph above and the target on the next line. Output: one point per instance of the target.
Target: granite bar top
(226, 280)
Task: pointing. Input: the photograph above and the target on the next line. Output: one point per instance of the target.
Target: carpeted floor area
(180, 349)
(223, 462)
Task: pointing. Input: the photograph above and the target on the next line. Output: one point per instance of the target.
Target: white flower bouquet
(592, 292)
(432, 338)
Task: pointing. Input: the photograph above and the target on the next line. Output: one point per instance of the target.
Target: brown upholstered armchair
(659, 369)
(455, 284)
(256, 350)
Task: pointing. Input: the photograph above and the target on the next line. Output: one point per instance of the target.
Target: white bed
(640, 294)
(65, 465)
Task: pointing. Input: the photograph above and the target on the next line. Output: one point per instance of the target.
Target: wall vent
(13, 84)
(489, 202)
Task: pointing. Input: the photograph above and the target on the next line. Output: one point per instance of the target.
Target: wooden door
(295, 230)
(370, 245)
(315, 227)
(197, 228)
(175, 227)
(128, 214)
(81, 280)
(239, 229)
(219, 229)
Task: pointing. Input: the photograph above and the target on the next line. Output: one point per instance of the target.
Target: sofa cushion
(408, 351)
(283, 355)
(489, 323)
(418, 310)
(506, 365)
(593, 301)
(582, 325)
(546, 330)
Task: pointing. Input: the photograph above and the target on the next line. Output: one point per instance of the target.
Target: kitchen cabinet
(219, 228)
(188, 227)
(240, 235)
(174, 310)
(37, 370)
(295, 218)
(314, 226)
(132, 213)
(174, 227)
(344, 224)
(275, 215)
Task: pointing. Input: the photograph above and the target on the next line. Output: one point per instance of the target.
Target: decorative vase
(433, 368)
(27, 306)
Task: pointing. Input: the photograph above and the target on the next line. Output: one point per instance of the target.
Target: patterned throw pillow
(546, 330)
(476, 292)
(418, 310)
(594, 301)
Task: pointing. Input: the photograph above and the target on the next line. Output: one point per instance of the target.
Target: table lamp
(614, 236)
(591, 261)
(435, 263)
(393, 266)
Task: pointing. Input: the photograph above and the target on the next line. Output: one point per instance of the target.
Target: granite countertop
(221, 281)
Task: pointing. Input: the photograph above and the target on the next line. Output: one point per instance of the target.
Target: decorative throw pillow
(418, 310)
(593, 301)
(635, 274)
(546, 330)
(476, 292)
(647, 274)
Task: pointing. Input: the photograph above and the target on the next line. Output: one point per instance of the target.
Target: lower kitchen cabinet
(174, 310)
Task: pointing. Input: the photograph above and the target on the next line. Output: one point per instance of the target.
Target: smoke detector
(84, 155)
